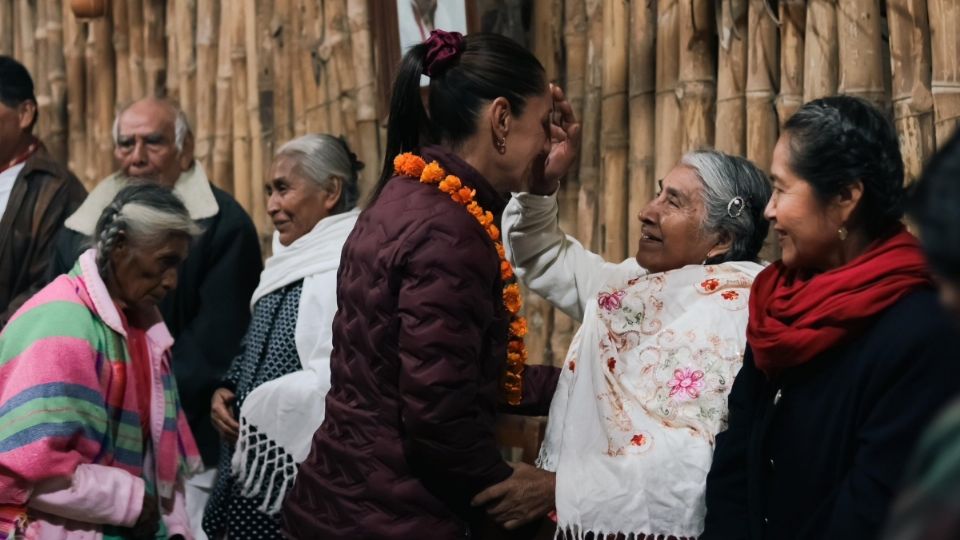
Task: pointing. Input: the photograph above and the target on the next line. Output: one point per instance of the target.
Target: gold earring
(842, 233)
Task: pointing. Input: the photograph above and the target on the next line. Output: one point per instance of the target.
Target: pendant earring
(501, 144)
(842, 233)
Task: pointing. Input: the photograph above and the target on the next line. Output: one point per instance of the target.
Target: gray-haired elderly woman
(643, 390)
(272, 400)
(95, 443)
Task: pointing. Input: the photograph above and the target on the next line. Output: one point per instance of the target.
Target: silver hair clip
(735, 207)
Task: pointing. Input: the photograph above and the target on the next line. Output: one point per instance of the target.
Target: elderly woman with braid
(642, 392)
(93, 443)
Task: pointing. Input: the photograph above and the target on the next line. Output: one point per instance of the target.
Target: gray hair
(735, 194)
(146, 214)
(181, 125)
(321, 158)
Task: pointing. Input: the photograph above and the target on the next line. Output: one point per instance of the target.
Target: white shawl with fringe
(278, 418)
(644, 387)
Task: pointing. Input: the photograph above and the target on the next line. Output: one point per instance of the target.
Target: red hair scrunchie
(443, 50)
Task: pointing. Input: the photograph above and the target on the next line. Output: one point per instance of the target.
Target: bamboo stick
(669, 140)
(155, 59)
(731, 129)
(368, 145)
(6, 25)
(185, 12)
(696, 83)
(763, 72)
(223, 138)
(793, 26)
(137, 44)
(643, 52)
(56, 138)
(543, 37)
(105, 94)
(297, 67)
(260, 142)
(282, 82)
(945, 45)
(173, 51)
(911, 95)
(575, 45)
(820, 51)
(340, 73)
(241, 117)
(90, 108)
(25, 48)
(316, 100)
(121, 45)
(74, 43)
(614, 130)
(587, 207)
(860, 42)
(41, 84)
(205, 119)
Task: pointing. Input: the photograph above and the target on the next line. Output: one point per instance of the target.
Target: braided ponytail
(109, 227)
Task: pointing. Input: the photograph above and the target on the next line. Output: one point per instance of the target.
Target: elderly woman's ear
(332, 193)
(723, 245)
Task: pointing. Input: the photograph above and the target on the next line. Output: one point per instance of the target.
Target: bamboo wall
(649, 79)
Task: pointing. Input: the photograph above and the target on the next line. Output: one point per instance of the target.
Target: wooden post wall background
(649, 79)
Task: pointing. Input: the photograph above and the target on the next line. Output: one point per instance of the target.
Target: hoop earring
(842, 233)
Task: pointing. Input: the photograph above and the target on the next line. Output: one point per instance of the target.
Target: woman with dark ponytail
(427, 341)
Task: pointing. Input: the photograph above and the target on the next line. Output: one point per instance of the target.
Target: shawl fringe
(258, 464)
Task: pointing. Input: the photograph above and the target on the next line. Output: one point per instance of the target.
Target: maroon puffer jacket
(419, 347)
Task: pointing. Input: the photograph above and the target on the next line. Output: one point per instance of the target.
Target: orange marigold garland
(408, 164)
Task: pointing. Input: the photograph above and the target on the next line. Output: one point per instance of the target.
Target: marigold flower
(432, 173)
(512, 299)
(493, 232)
(500, 251)
(408, 164)
(485, 219)
(506, 271)
(518, 327)
(451, 184)
(475, 210)
(463, 195)
(516, 345)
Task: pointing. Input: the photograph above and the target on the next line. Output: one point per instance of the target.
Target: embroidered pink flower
(610, 301)
(611, 364)
(572, 365)
(730, 295)
(638, 440)
(686, 383)
(710, 285)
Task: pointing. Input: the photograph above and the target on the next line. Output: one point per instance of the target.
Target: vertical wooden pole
(763, 73)
(173, 51)
(696, 84)
(41, 84)
(260, 142)
(205, 120)
(56, 138)
(368, 144)
(105, 96)
(120, 29)
(910, 68)
(185, 13)
(241, 117)
(138, 43)
(731, 129)
(590, 146)
(25, 48)
(223, 130)
(91, 172)
(793, 26)
(669, 127)
(284, 41)
(860, 43)
(945, 45)
(643, 52)
(6, 27)
(820, 52)
(613, 133)
(74, 43)
(155, 61)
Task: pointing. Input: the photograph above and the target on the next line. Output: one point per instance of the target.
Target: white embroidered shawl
(644, 387)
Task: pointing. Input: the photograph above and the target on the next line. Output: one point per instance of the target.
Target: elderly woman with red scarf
(849, 354)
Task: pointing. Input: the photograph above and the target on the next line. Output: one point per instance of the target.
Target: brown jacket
(419, 349)
(44, 194)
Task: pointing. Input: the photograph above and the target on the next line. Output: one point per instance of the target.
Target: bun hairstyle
(465, 74)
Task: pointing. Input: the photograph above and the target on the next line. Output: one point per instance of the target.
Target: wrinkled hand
(149, 521)
(564, 140)
(526, 495)
(221, 414)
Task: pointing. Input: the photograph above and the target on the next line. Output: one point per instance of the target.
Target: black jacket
(818, 453)
(209, 311)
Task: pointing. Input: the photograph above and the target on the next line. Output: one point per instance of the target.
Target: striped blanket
(65, 398)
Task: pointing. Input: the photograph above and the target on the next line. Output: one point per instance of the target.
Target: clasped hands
(528, 494)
